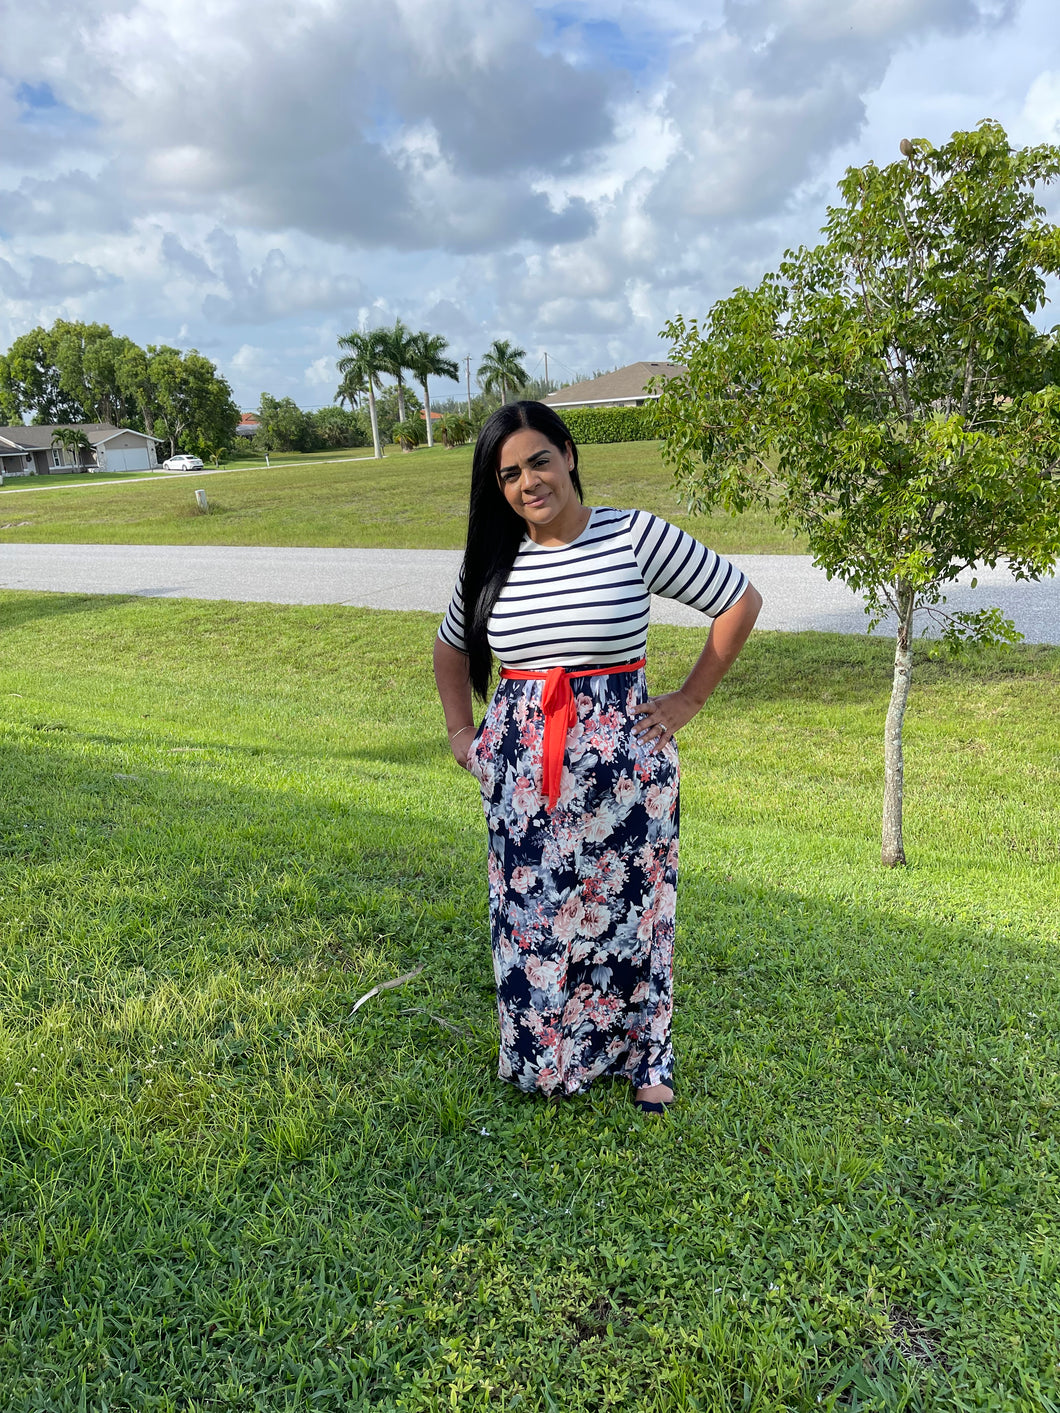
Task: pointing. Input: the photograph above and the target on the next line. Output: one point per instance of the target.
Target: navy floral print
(582, 900)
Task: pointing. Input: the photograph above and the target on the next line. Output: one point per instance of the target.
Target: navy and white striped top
(586, 603)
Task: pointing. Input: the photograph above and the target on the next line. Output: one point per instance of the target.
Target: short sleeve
(677, 566)
(452, 628)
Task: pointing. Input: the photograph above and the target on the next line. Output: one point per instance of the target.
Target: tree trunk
(892, 853)
(427, 412)
(401, 398)
(377, 449)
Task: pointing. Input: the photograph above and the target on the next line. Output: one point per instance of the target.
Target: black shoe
(656, 1106)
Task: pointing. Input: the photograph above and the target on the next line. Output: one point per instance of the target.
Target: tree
(74, 442)
(67, 373)
(365, 361)
(408, 434)
(397, 347)
(455, 429)
(133, 374)
(191, 401)
(888, 396)
(353, 387)
(389, 410)
(336, 426)
(427, 360)
(283, 425)
(87, 358)
(105, 396)
(32, 381)
(500, 368)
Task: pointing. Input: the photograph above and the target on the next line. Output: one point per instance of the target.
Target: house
(249, 425)
(32, 451)
(625, 387)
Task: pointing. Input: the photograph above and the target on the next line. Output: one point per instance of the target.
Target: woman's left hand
(661, 717)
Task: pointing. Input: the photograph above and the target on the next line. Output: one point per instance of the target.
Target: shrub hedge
(609, 424)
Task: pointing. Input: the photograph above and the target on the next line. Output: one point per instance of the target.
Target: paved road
(797, 596)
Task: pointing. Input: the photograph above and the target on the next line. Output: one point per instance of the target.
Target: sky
(254, 178)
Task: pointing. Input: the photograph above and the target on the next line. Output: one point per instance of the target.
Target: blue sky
(255, 179)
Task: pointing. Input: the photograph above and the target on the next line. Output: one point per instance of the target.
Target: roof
(42, 438)
(623, 385)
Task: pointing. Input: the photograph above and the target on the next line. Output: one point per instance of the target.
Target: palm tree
(366, 360)
(351, 390)
(455, 429)
(397, 346)
(428, 361)
(71, 439)
(408, 435)
(500, 368)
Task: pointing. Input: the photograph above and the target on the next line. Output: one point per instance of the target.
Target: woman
(577, 764)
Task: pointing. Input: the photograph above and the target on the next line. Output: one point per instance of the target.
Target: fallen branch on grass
(438, 1020)
(385, 986)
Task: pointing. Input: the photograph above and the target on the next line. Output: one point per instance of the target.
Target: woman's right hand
(460, 744)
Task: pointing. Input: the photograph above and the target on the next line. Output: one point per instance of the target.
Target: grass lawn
(221, 824)
(72, 478)
(416, 501)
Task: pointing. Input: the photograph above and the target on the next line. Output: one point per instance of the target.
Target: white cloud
(248, 359)
(567, 175)
(321, 373)
(1041, 108)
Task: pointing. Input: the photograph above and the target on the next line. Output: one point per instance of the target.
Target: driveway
(796, 595)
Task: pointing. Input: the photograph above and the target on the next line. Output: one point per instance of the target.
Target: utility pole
(467, 361)
(546, 373)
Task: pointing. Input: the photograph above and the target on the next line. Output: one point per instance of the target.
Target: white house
(28, 451)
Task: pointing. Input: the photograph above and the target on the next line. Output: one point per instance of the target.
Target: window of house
(56, 458)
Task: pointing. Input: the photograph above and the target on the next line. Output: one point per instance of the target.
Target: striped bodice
(587, 602)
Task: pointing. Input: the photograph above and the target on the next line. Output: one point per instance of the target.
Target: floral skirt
(582, 900)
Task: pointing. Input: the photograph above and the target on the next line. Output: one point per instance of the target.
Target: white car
(182, 462)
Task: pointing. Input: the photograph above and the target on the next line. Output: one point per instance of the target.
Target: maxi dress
(582, 898)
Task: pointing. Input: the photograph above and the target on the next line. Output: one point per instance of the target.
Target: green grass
(221, 824)
(416, 501)
(71, 478)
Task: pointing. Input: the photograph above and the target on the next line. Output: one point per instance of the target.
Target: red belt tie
(557, 702)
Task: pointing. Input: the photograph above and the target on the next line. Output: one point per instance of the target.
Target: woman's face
(534, 477)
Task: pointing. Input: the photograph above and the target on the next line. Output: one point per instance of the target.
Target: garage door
(128, 459)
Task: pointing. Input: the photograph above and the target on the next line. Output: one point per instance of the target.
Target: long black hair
(494, 530)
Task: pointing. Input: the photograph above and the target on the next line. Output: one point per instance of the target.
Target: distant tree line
(83, 373)
(284, 426)
(76, 373)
